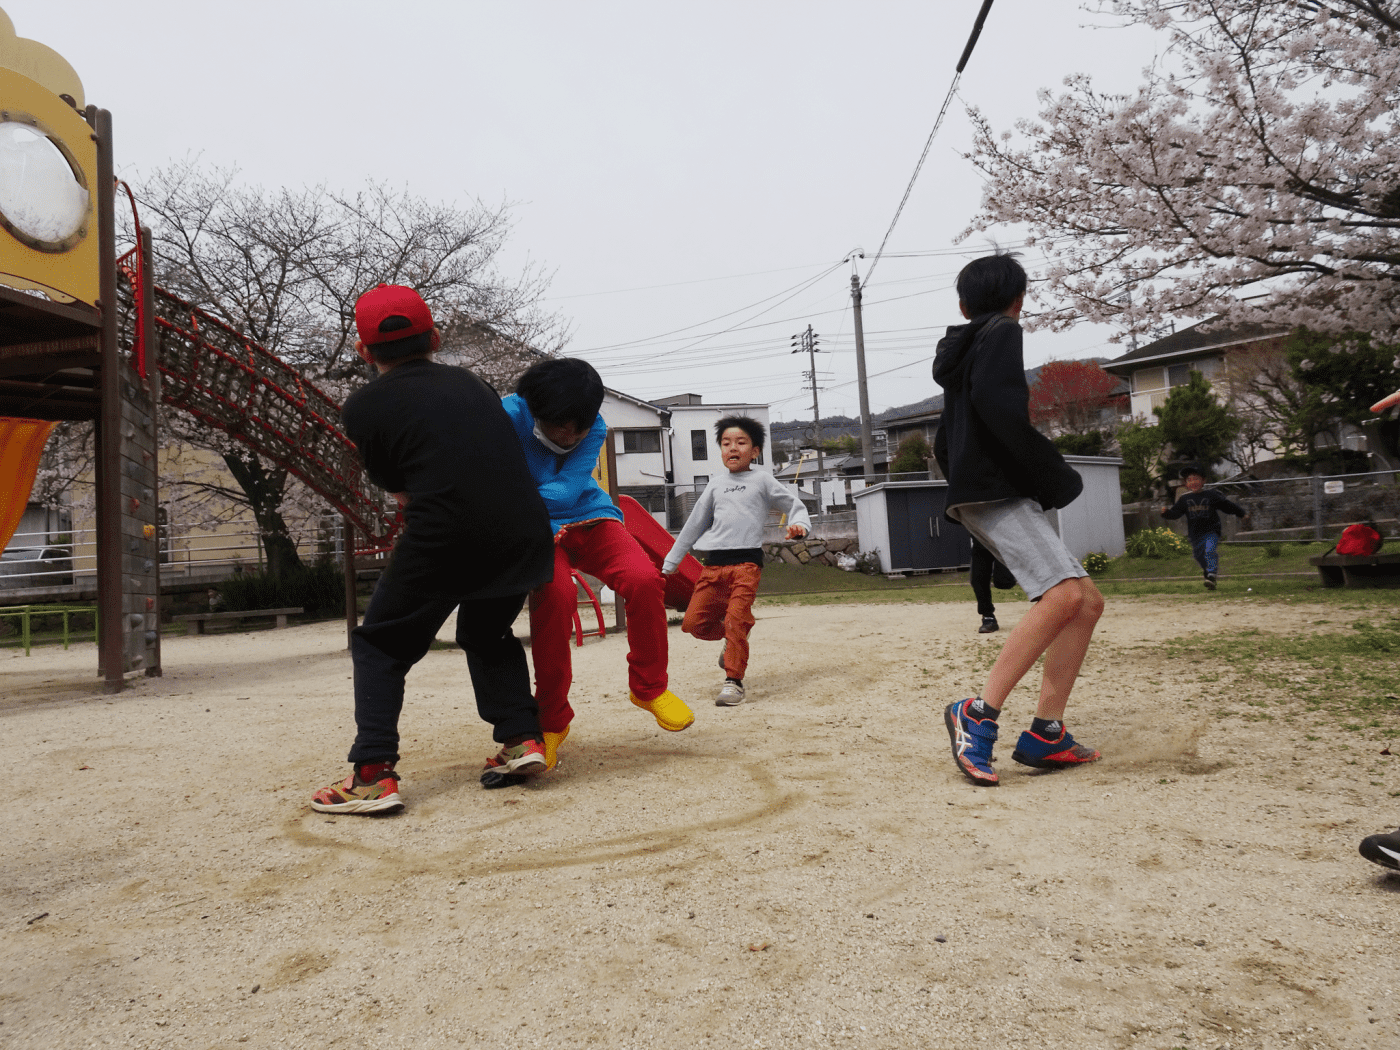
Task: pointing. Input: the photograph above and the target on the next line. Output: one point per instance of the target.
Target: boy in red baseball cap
(476, 539)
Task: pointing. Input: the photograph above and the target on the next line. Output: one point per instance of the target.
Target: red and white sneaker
(523, 758)
(376, 791)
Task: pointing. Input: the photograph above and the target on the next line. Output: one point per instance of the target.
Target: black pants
(983, 568)
(399, 627)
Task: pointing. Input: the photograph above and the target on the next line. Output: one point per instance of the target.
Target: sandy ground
(806, 870)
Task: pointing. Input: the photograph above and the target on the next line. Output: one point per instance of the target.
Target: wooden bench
(1352, 570)
(194, 622)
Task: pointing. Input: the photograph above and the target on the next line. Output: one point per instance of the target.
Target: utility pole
(867, 440)
(808, 341)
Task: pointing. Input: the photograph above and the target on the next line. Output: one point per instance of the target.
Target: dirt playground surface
(805, 870)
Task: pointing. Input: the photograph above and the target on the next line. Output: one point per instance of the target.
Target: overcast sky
(691, 174)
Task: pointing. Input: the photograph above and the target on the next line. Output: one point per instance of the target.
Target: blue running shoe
(972, 742)
(1062, 751)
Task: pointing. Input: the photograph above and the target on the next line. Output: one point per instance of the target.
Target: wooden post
(352, 605)
(111, 657)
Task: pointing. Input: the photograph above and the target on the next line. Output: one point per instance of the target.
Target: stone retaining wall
(821, 550)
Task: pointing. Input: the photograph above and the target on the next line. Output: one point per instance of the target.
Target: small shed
(904, 520)
(1093, 522)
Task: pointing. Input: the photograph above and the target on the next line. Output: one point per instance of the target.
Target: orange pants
(722, 607)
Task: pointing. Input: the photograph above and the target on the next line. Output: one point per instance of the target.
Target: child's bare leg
(1038, 630)
(1065, 655)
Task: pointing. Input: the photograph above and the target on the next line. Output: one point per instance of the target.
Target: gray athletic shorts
(1020, 536)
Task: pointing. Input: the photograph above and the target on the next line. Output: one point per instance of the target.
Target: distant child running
(727, 523)
(1002, 474)
(412, 425)
(555, 414)
(1202, 508)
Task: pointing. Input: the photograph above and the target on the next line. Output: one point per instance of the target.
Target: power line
(942, 112)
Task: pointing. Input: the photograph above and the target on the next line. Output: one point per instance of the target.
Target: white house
(694, 454)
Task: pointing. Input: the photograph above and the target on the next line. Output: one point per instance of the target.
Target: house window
(700, 481)
(641, 441)
(1178, 375)
(1147, 379)
(699, 443)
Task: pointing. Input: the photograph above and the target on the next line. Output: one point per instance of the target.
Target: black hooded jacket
(986, 446)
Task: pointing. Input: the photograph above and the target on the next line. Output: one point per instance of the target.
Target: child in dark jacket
(1202, 508)
(410, 426)
(1002, 475)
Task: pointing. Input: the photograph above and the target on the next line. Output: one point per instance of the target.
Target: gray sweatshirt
(730, 514)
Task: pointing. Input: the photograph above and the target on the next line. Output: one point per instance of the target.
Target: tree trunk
(264, 489)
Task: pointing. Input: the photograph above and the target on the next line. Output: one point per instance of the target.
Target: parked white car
(36, 567)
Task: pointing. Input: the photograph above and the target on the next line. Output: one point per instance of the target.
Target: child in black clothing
(1202, 509)
(476, 539)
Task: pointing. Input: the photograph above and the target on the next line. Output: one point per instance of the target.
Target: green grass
(1349, 670)
(1246, 571)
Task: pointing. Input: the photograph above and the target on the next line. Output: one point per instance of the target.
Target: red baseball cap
(391, 300)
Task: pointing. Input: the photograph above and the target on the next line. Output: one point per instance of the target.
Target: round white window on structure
(41, 200)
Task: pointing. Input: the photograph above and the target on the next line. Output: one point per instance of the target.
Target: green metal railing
(25, 613)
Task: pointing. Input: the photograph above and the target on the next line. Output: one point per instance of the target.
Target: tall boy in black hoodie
(1002, 475)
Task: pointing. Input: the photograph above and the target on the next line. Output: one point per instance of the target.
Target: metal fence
(1314, 507)
(672, 503)
(62, 559)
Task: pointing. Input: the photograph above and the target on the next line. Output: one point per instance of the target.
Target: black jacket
(475, 525)
(986, 446)
(1202, 510)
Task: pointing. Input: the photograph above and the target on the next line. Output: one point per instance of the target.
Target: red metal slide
(656, 541)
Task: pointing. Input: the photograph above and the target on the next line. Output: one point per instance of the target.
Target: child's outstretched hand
(1386, 402)
(795, 532)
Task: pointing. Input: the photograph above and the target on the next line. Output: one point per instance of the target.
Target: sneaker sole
(387, 804)
(495, 779)
(728, 701)
(1052, 761)
(971, 772)
(533, 763)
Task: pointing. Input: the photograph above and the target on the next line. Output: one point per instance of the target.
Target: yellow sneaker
(669, 710)
(551, 748)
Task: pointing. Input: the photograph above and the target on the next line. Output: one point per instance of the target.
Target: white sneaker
(731, 694)
(721, 657)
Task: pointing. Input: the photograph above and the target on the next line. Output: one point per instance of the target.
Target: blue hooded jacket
(571, 492)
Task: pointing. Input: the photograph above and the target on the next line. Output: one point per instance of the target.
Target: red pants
(722, 607)
(604, 549)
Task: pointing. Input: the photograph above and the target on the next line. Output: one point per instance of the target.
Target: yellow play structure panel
(48, 164)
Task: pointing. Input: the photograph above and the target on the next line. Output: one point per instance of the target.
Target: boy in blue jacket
(1002, 475)
(555, 414)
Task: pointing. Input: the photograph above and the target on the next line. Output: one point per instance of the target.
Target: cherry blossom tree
(1254, 174)
(286, 266)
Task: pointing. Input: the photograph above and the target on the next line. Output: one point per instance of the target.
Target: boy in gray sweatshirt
(727, 523)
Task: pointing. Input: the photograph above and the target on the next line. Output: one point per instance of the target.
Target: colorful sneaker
(551, 747)
(377, 794)
(1210, 581)
(1062, 751)
(730, 694)
(989, 625)
(668, 709)
(972, 742)
(1383, 850)
(522, 758)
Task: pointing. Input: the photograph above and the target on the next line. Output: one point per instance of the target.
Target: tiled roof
(1204, 335)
